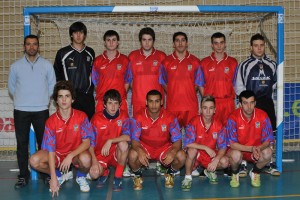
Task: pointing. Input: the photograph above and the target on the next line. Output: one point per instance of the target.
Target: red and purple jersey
(219, 76)
(64, 136)
(155, 133)
(105, 129)
(251, 132)
(144, 72)
(110, 74)
(181, 78)
(214, 137)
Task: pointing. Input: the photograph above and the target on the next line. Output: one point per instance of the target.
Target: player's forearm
(126, 87)
(241, 147)
(121, 139)
(52, 165)
(197, 146)
(220, 154)
(82, 147)
(135, 145)
(165, 87)
(92, 152)
(264, 145)
(176, 146)
(201, 90)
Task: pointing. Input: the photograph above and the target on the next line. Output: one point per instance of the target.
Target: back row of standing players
(180, 75)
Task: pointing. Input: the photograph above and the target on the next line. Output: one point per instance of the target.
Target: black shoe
(202, 175)
(22, 182)
(227, 172)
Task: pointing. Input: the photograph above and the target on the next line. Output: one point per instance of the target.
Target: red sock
(119, 171)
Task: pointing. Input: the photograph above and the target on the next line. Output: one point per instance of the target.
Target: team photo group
(93, 130)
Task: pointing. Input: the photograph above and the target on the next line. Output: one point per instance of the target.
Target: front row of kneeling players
(155, 135)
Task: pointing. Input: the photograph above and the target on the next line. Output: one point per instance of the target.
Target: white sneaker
(126, 172)
(88, 177)
(68, 175)
(83, 184)
(195, 173)
(243, 169)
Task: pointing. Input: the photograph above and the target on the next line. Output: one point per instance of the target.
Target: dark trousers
(85, 102)
(23, 120)
(267, 105)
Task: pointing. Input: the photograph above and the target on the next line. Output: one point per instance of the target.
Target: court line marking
(252, 197)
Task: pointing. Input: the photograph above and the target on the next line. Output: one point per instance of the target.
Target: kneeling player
(155, 136)
(205, 141)
(66, 141)
(109, 146)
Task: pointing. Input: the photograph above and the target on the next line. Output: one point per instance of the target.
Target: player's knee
(267, 154)
(181, 156)
(85, 159)
(224, 162)
(236, 156)
(191, 153)
(123, 146)
(34, 161)
(132, 155)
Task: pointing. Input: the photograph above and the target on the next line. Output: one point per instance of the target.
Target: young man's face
(147, 42)
(180, 44)
(64, 99)
(208, 109)
(218, 45)
(248, 106)
(111, 43)
(31, 46)
(154, 104)
(258, 48)
(78, 37)
(112, 106)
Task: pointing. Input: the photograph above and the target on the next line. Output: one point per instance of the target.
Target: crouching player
(155, 136)
(66, 141)
(205, 140)
(250, 135)
(109, 146)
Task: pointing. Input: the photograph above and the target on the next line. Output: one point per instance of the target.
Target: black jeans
(23, 121)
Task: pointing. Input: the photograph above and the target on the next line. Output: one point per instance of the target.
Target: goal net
(237, 26)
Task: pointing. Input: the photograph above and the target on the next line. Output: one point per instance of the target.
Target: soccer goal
(238, 23)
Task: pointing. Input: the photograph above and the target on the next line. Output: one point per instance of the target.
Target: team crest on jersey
(119, 66)
(174, 67)
(75, 127)
(226, 70)
(215, 135)
(163, 127)
(88, 59)
(119, 122)
(190, 67)
(257, 124)
(155, 63)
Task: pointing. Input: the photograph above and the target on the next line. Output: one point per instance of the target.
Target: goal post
(278, 10)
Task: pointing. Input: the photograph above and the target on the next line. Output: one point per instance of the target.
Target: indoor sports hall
(278, 21)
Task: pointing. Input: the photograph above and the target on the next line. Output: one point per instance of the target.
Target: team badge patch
(75, 127)
(119, 122)
(190, 67)
(155, 62)
(215, 135)
(119, 66)
(226, 70)
(257, 124)
(163, 127)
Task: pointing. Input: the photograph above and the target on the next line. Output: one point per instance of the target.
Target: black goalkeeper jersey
(76, 66)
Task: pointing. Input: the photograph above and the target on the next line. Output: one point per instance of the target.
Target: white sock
(188, 177)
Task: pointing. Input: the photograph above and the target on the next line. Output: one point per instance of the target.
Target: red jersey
(144, 71)
(250, 133)
(64, 136)
(155, 133)
(214, 137)
(219, 76)
(181, 78)
(105, 129)
(110, 74)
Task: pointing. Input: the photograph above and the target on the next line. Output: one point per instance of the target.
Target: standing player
(74, 63)
(155, 135)
(66, 140)
(109, 146)
(258, 73)
(250, 135)
(219, 75)
(206, 144)
(180, 76)
(144, 69)
(110, 71)
(30, 83)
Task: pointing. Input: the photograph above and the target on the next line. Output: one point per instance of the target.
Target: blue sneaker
(101, 181)
(117, 184)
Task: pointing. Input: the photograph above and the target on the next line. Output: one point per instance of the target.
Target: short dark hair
(110, 33)
(146, 31)
(77, 27)
(217, 35)
(208, 98)
(31, 37)
(246, 94)
(257, 36)
(180, 33)
(113, 95)
(152, 93)
(63, 85)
